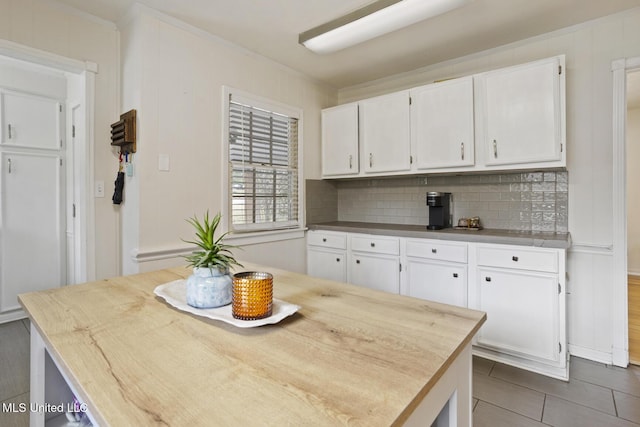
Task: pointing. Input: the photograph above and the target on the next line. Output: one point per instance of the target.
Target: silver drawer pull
(373, 245)
(487, 279)
(455, 275)
(514, 258)
(434, 250)
(324, 239)
(10, 133)
(495, 149)
(350, 162)
(337, 259)
(462, 150)
(357, 261)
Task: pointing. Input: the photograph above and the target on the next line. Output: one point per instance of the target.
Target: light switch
(99, 189)
(163, 162)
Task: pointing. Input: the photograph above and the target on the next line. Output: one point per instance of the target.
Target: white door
(31, 244)
(340, 140)
(384, 132)
(442, 131)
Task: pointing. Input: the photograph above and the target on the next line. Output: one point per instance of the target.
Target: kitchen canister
(252, 295)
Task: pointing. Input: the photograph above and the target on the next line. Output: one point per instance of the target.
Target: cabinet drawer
(375, 244)
(327, 239)
(519, 258)
(436, 250)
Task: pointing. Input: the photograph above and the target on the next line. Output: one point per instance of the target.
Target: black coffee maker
(439, 210)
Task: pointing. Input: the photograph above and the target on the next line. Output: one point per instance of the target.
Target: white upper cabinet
(522, 111)
(384, 133)
(340, 140)
(442, 130)
(30, 121)
(511, 118)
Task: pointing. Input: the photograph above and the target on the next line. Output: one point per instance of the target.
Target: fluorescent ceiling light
(371, 21)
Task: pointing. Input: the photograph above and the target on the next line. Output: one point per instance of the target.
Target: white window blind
(263, 167)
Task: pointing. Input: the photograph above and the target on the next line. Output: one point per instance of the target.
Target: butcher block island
(348, 356)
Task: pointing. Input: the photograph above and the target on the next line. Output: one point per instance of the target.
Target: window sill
(254, 238)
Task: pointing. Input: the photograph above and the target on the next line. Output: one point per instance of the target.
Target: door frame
(83, 74)
(620, 333)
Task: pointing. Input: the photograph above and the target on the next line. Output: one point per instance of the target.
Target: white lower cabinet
(374, 262)
(327, 255)
(435, 271)
(374, 271)
(522, 290)
(436, 281)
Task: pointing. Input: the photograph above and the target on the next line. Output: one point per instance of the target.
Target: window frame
(268, 235)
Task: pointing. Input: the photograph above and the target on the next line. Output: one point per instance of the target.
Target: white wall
(633, 191)
(51, 27)
(173, 75)
(590, 49)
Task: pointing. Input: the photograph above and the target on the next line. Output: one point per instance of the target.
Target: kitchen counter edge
(497, 236)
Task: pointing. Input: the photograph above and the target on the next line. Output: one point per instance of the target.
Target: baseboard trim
(590, 354)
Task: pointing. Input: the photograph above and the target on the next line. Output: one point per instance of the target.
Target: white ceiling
(271, 28)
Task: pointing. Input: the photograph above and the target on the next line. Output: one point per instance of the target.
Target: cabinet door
(327, 264)
(340, 140)
(522, 313)
(384, 133)
(522, 114)
(375, 271)
(437, 281)
(442, 132)
(31, 225)
(30, 121)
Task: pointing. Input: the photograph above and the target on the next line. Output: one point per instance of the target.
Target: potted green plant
(210, 284)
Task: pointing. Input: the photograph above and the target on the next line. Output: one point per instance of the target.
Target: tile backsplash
(528, 201)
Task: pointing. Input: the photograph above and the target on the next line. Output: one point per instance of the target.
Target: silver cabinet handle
(495, 149)
(357, 261)
(9, 131)
(324, 239)
(350, 161)
(337, 259)
(434, 250)
(487, 279)
(373, 245)
(9, 165)
(370, 159)
(514, 258)
(455, 275)
(462, 150)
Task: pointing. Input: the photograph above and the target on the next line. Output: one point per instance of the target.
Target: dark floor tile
(613, 377)
(512, 397)
(14, 360)
(482, 366)
(488, 415)
(577, 391)
(628, 406)
(562, 413)
(12, 414)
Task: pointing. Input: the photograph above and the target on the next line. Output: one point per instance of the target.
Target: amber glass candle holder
(252, 295)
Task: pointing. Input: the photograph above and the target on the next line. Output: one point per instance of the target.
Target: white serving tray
(175, 293)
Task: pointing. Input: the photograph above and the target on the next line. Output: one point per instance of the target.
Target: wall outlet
(99, 190)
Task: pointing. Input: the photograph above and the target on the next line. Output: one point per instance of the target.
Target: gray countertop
(508, 237)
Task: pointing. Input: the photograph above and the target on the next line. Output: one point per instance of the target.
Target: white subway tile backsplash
(530, 201)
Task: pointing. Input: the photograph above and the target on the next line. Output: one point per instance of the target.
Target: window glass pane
(264, 161)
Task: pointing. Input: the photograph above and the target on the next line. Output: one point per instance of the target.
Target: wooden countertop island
(349, 356)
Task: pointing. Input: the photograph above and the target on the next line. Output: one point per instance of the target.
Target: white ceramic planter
(209, 288)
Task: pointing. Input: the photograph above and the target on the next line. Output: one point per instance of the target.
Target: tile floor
(597, 395)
